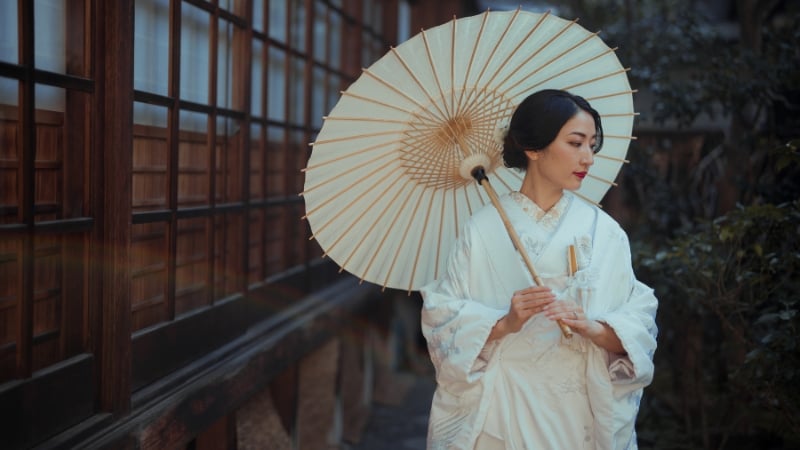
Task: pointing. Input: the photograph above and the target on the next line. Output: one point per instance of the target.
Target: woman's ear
(532, 155)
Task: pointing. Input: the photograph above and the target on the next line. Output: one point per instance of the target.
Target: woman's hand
(524, 305)
(598, 332)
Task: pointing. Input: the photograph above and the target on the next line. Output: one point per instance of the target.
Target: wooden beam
(113, 133)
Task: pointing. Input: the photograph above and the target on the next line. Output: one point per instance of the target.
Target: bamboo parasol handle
(480, 176)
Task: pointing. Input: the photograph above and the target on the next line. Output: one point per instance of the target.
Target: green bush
(728, 364)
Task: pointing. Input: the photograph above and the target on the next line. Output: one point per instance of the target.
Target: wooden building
(157, 286)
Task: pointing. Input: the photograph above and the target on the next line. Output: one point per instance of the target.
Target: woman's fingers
(564, 310)
(528, 302)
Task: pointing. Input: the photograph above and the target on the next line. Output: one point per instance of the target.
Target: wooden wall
(156, 282)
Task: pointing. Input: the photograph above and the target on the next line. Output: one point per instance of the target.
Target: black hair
(538, 120)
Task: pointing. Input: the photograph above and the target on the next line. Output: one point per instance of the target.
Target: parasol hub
(473, 162)
(454, 129)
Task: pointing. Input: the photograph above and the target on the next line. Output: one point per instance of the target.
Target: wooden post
(112, 178)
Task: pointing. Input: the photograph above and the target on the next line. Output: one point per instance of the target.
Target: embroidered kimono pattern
(533, 388)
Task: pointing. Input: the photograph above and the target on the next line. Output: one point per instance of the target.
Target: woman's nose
(587, 157)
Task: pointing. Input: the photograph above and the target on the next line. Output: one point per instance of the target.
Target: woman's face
(564, 163)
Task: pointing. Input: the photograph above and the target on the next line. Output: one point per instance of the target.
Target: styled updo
(538, 120)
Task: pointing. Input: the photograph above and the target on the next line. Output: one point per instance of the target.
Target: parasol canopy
(388, 183)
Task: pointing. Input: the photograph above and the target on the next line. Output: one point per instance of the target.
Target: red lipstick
(580, 175)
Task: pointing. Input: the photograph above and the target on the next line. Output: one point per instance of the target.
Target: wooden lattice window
(227, 94)
(45, 214)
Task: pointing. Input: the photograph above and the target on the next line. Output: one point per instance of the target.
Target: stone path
(400, 424)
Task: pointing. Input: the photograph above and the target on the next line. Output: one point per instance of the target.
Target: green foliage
(728, 363)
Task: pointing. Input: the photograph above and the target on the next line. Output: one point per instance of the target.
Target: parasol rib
(616, 136)
(530, 57)
(456, 226)
(568, 69)
(587, 199)
(354, 221)
(375, 222)
(631, 114)
(506, 185)
(471, 57)
(453, 41)
(613, 94)
(401, 93)
(439, 240)
(547, 63)
(400, 244)
(442, 115)
(339, 175)
(471, 101)
(421, 242)
(342, 192)
(592, 80)
(447, 111)
(609, 182)
(377, 102)
(611, 158)
(354, 137)
(346, 156)
(385, 237)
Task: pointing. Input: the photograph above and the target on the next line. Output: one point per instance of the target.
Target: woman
(506, 377)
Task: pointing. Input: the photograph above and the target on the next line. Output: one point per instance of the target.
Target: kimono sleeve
(454, 323)
(631, 315)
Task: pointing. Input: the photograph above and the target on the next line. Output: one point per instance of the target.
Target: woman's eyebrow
(582, 134)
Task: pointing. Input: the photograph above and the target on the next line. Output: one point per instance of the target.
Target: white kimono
(534, 389)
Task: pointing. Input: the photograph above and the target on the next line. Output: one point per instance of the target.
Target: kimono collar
(547, 219)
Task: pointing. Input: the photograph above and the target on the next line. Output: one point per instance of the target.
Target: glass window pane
(256, 256)
(9, 96)
(334, 87)
(258, 15)
(297, 100)
(151, 46)
(256, 161)
(403, 21)
(150, 115)
(237, 7)
(9, 113)
(276, 162)
(50, 98)
(229, 160)
(298, 28)
(50, 28)
(257, 80)
(195, 27)
(335, 42)
(318, 105)
(225, 64)
(150, 156)
(277, 20)
(148, 262)
(227, 254)
(191, 265)
(10, 295)
(194, 176)
(8, 33)
(276, 85)
(320, 33)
